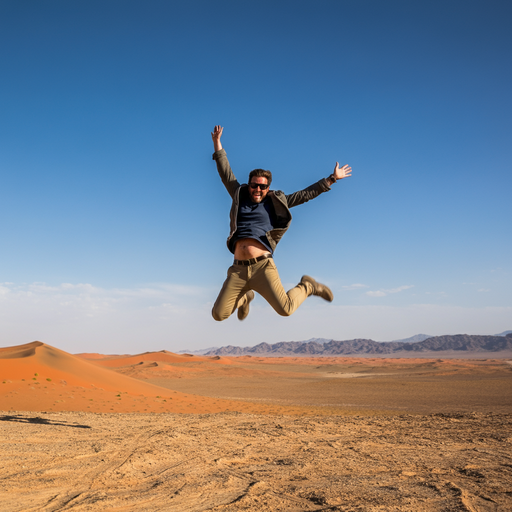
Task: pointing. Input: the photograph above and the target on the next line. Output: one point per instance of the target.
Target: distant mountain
(415, 338)
(321, 341)
(464, 342)
(504, 333)
(458, 342)
(318, 340)
(200, 352)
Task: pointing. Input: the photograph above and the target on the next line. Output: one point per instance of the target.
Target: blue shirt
(254, 220)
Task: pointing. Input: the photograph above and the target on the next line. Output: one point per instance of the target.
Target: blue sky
(113, 217)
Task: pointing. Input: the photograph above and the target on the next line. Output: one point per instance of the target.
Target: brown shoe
(243, 311)
(318, 289)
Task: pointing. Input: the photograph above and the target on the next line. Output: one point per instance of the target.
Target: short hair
(261, 173)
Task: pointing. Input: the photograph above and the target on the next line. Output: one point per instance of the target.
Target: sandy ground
(234, 461)
(161, 431)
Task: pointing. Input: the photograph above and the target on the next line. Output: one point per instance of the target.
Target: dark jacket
(282, 202)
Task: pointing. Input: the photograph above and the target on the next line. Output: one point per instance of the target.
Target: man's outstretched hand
(342, 172)
(216, 135)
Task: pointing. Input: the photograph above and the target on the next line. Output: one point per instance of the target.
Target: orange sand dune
(24, 361)
(95, 355)
(163, 356)
(39, 377)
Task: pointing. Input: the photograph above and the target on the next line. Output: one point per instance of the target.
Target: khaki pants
(262, 277)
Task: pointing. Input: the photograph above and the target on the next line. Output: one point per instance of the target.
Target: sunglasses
(254, 186)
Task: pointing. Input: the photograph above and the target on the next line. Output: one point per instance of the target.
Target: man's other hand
(216, 135)
(342, 172)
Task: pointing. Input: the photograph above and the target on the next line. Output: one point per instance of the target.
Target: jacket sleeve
(225, 172)
(303, 196)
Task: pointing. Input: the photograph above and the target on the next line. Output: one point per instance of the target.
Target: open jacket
(282, 202)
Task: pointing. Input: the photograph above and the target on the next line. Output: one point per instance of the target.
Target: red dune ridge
(163, 356)
(37, 376)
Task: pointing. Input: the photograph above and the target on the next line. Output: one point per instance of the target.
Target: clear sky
(113, 217)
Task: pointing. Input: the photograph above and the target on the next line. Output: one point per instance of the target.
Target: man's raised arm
(223, 167)
(303, 196)
(216, 135)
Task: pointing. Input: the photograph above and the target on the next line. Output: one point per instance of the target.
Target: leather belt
(252, 261)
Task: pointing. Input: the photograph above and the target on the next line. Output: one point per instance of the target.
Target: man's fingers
(217, 131)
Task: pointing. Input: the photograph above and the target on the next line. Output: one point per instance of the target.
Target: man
(259, 219)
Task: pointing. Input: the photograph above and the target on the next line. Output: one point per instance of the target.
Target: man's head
(259, 182)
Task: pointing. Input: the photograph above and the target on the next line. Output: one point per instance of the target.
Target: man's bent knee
(217, 316)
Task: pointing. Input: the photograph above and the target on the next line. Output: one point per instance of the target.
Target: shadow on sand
(39, 421)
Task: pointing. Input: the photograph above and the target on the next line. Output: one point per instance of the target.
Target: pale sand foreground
(152, 432)
(233, 461)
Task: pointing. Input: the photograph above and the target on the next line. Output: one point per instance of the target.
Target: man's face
(257, 194)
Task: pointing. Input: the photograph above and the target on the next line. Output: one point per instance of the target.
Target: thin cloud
(355, 286)
(376, 294)
(84, 296)
(383, 293)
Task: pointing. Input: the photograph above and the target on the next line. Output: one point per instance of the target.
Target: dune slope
(38, 377)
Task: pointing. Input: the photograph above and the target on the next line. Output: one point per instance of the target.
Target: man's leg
(267, 283)
(233, 293)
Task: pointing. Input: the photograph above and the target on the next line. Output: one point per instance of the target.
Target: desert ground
(163, 431)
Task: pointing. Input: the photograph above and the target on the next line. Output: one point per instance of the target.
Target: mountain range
(416, 344)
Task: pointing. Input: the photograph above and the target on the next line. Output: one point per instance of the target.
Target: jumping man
(259, 219)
